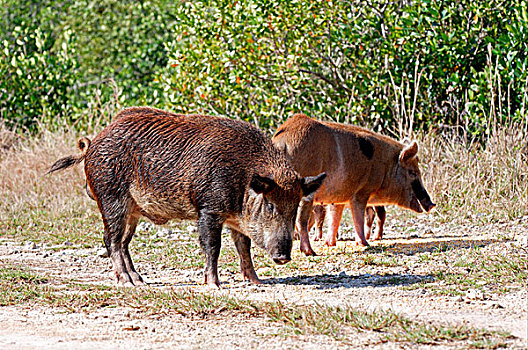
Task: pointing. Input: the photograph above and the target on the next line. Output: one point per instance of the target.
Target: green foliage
(406, 63)
(91, 53)
(36, 78)
(392, 65)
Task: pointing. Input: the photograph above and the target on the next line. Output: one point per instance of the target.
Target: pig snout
(421, 196)
(427, 205)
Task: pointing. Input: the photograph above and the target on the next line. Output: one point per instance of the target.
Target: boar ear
(409, 152)
(262, 184)
(311, 184)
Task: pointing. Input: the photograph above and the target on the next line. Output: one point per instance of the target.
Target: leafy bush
(413, 63)
(36, 79)
(392, 65)
(98, 53)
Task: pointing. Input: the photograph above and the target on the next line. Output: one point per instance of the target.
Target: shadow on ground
(342, 280)
(428, 245)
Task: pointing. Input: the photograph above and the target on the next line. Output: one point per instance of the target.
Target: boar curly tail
(83, 144)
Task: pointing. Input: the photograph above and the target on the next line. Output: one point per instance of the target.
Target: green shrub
(385, 64)
(394, 66)
(36, 79)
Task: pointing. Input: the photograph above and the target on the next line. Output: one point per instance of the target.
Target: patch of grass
(476, 268)
(18, 286)
(386, 261)
(337, 321)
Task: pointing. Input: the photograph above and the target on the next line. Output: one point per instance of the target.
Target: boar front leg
(303, 216)
(335, 212)
(358, 206)
(243, 246)
(370, 215)
(210, 233)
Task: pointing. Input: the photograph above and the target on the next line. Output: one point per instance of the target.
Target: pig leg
(380, 222)
(114, 215)
(210, 232)
(358, 214)
(319, 213)
(303, 216)
(243, 245)
(370, 215)
(127, 237)
(335, 212)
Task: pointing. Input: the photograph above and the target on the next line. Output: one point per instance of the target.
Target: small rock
(67, 244)
(474, 294)
(102, 253)
(31, 245)
(495, 305)
(458, 299)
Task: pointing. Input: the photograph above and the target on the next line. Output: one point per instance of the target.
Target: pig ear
(262, 184)
(409, 152)
(311, 184)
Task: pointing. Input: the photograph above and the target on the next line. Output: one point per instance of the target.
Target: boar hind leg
(115, 222)
(380, 211)
(335, 212)
(358, 214)
(210, 232)
(243, 246)
(303, 216)
(127, 237)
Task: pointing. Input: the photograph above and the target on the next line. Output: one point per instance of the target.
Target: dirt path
(32, 326)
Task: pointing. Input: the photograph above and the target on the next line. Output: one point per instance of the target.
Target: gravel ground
(363, 287)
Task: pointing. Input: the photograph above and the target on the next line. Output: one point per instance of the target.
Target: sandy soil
(31, 326)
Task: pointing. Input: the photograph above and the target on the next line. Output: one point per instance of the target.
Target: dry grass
(34, 205)
(478, 182)
(468, 181)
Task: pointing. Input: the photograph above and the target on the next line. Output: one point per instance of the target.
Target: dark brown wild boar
(335, 212)
(217, 171)
(363, 169)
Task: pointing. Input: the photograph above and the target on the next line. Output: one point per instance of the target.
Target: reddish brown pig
(363, 168)
(335, 212)
(217, 171)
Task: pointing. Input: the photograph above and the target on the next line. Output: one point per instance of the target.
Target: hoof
(213, 286)
(308, 252)
(331, 243)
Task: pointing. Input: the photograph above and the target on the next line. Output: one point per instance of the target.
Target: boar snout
(280, 252)
(282, 259)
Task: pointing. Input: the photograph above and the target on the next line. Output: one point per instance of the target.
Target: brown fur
(217, 171)
(363, 168)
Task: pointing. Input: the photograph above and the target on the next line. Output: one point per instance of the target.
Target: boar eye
(270, 207)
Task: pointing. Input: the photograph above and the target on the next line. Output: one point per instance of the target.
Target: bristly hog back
(215, 170)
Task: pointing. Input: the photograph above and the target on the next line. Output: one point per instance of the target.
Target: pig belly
(160, 210)
(332, 195)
